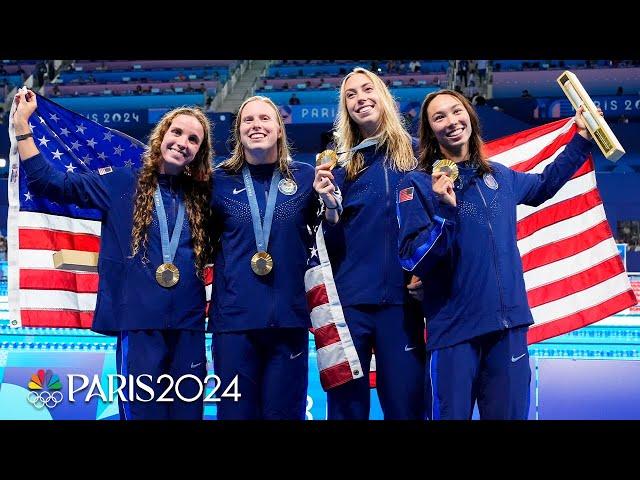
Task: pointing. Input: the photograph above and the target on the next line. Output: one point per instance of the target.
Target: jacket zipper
(503, 322)
(386, 233)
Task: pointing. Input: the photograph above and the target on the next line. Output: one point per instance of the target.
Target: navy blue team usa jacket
(242, 300)
(129, 297)
(467, 256)
(363, 244)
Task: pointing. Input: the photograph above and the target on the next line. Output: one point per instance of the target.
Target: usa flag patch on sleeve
(405, 195)
(105, 170)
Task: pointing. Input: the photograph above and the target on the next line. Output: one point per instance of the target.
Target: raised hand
(26, 104)
(323, 184)
(581, 122)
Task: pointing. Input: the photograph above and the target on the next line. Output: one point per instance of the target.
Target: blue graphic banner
(613, 106)
(326, 112)
(118, 118)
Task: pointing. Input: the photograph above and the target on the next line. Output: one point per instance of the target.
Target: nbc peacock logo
(45, 389)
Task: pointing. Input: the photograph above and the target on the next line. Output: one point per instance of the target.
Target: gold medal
(449, 168)
(261, 263)
(326, 157)
(167, 275)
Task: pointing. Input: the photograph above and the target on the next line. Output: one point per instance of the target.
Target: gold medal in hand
(328, 156)
(448, 167)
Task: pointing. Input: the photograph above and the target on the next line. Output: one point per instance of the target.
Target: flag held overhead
(53, 279)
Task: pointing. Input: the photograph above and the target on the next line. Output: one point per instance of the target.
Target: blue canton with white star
(73, 144)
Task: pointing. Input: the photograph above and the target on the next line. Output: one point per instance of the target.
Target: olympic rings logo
(40, 399)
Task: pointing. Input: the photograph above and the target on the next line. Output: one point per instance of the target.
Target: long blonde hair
(392, 134)
(196, 184)
(237, 160)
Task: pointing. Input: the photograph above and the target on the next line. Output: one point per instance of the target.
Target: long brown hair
(236, 161)
(392, 133)
(196, 183)
(429, 146)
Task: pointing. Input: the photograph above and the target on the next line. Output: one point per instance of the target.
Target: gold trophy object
(597, 126)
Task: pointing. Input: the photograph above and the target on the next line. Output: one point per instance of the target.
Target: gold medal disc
(261, 263)
(328, 156)
(449, 168)
(167, 275)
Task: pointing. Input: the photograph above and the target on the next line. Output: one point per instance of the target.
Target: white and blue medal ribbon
(168, 274)
(261, 262)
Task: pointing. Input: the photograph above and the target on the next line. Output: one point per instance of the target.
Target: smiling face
(450, 123)
(180, 144)
(259, 129)
(363, 103)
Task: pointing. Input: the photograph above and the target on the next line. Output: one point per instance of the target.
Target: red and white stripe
(572, 270)
(48, 296)
(338, 360)
(208, 284)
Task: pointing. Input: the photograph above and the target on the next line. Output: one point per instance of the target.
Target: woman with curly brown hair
(153, 249)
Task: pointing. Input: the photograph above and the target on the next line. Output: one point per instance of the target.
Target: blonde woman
(153, 249)
(262, 203)
(375, 152)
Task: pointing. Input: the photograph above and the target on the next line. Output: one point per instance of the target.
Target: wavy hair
(429, 146)
(236, 161)
(393, 136)
(196, 184)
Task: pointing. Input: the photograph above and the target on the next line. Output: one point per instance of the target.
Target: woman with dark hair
(457, 217)
(262, 204)
(153, 250)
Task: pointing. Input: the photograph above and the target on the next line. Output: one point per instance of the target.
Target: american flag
(338, 361)
(405, 194)
(573, 273)
(572, 270)
(39, 294)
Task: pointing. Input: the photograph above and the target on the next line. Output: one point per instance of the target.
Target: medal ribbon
(261, 232)
(168, 249)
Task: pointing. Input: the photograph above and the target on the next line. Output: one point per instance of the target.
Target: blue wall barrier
(529, 109)
(126, 102)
